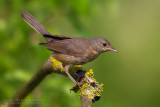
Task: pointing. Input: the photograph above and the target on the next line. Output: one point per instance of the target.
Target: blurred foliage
(131, 78)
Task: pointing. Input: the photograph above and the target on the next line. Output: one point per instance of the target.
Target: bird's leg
(74, 73)
(66, 70)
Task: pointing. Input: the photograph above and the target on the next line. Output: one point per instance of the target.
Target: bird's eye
(104, 44)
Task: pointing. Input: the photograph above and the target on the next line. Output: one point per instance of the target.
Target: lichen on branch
(88, 86)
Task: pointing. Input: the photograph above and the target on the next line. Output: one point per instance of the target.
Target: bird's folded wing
(66, 48)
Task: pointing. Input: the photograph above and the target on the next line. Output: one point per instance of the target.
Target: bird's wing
(68, 46)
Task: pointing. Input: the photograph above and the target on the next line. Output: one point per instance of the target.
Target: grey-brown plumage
(70, 50)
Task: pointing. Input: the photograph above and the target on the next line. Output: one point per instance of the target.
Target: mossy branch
(90, 89)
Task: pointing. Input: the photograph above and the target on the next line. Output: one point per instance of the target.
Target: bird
(70, 50)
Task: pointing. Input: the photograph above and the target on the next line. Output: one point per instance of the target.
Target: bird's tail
(34, 23)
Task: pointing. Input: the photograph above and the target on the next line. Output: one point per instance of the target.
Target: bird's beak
(112, 49)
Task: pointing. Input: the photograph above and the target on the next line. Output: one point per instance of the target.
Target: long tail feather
(40, 29)
(34, 23)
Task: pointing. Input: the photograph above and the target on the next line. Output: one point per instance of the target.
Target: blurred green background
(131, 78)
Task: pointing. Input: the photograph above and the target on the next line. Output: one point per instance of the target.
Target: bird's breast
(91, 55)
(76, 60)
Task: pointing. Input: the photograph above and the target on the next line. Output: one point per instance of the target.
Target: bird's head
(102, 45)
